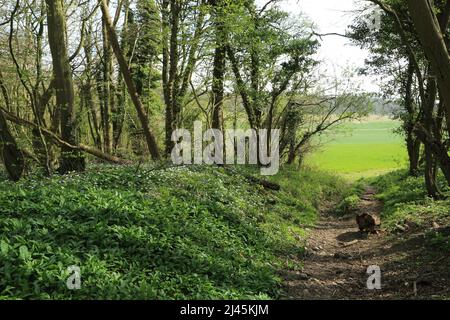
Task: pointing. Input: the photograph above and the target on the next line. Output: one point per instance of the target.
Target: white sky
(333, 16)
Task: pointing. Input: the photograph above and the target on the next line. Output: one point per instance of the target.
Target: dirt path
(338, 255)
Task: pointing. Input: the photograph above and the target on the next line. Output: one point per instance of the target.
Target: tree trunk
(413, 146)
(430, 160)
(430, 174)
(429, 30)
(412, 142)
(71, 160)
(121, 92)
(242, 89)
(292, 153)
(107, 96)
(432, 40)
(114, 42)
(219, 68)
(40, 101)
(172, 80)
(165, 75)
(10, 153)
(87, 90)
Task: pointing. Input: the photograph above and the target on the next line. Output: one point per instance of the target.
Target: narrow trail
(338, 255)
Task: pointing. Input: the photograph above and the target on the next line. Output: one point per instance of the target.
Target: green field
(361, 149)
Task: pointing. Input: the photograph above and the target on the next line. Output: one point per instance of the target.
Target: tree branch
(58, 140)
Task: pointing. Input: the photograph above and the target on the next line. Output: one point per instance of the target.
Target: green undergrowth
(348, 205)
(351, 200)
(171, 233)
(406, 204)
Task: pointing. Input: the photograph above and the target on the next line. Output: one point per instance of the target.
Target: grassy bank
(406, 207)
(179, 233)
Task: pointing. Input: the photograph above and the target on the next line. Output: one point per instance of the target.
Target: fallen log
(266, 184)
(252, 179)
(58, 140)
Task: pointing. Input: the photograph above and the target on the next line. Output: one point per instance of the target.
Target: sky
(333, 16)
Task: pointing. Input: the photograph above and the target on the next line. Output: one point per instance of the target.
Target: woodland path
(338, 255)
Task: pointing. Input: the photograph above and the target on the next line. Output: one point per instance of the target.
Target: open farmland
(365, 148)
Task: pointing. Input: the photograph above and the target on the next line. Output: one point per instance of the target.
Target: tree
(311, 115)
(124, 69)
(71, 160)
(394, 61)
(217, 91)
(107, 89)
(427, 125)
(432, 40)
(31, 77)
(140, 43)
(271, 57)
(182, 28)
(11, 154)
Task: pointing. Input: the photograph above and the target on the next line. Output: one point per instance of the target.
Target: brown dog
(367, 223)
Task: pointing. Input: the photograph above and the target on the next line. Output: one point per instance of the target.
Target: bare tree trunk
(114, 42)
(71, 160)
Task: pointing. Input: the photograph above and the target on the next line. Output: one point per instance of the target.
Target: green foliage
(439, 240)
(311, 186)
(348, 205)
(405, 202)
(176, 233)
(141, 42)
(273, 49)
